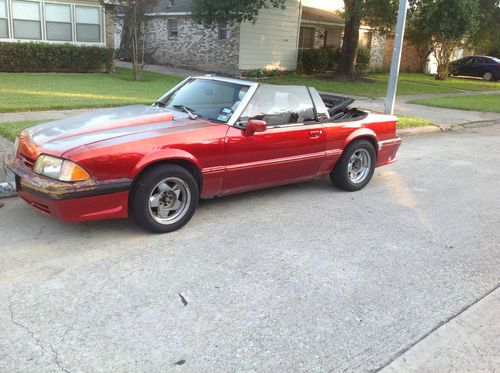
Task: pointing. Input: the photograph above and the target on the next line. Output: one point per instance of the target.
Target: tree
(450, 22)
(380, 15)
(353, 13)
(421, 40)
(486, 38)
(212, 12)
(133, 39)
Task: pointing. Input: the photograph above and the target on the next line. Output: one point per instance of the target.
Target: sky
(324, 4)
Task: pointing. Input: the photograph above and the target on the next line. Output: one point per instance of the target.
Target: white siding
(272, 41)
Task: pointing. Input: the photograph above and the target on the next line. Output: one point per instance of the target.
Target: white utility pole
(396, 58)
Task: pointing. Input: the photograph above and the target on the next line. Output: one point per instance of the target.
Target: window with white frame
(88, 24)
(173, 30)
(223, 30)
(52, 21)
(26, 20)
(58, 22)
(4, 20)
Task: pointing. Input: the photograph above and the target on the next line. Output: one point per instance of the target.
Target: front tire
(355, 167)
(164, 198)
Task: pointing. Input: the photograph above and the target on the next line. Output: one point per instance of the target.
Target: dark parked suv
(481, 66)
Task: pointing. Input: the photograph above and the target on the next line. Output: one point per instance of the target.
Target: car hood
(59, 136)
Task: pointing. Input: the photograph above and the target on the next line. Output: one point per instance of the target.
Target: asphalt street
(297, 278)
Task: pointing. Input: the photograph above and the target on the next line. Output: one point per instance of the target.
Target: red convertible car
(207, 137)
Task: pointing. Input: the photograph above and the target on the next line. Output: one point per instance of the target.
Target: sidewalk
(446, 118)
(5, 146)
(162, 69)
(470, 342)
(40, 115)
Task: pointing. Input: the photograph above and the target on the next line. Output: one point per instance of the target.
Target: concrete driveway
(297, 278)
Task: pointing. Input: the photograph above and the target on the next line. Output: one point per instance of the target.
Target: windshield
(206, 98)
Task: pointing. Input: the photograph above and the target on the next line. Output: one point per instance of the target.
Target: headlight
(16, 146)
(60, 169)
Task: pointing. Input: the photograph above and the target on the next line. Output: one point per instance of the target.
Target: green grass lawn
(374, 88)
(485, 102)
(407, 122)
(454, 84)
(409, 84)
(55, 91)
(10, 130)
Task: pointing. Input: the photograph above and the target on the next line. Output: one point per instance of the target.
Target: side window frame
(242, 121)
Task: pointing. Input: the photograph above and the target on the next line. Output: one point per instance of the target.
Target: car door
(463, 67)
(475, 67)
(481, 66)
(292, 148)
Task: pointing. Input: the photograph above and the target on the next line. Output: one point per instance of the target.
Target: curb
(413, 131)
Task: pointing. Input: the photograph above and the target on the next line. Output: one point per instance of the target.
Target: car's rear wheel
(164, 198)
(488, 76)
(355, 167)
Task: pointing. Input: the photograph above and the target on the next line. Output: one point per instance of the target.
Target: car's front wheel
(355, 167)
(164, 198)
(488, 76)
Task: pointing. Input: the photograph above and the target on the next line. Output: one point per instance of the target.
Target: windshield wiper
(188, 110)
(159, 104)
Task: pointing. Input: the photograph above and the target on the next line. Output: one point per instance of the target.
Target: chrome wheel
(170, 200)
(488, 76)
(359, 165)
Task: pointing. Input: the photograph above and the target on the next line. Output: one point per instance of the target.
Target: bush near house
(46, 57)
(327, 59)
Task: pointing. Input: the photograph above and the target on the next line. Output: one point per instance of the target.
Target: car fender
(161, 156)
(361, 132)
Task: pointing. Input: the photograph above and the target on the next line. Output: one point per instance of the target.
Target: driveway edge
(413, 131)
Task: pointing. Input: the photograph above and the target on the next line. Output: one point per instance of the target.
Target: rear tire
(355, 167)
(488, 76)
(164, 198)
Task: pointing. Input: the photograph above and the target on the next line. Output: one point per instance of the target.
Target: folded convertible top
(335, 104)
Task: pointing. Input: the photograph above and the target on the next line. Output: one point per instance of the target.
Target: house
(272, 42)
(80, 22)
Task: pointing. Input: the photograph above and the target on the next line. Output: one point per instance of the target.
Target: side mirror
(255, 125)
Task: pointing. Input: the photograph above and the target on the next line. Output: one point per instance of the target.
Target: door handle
(314, 134)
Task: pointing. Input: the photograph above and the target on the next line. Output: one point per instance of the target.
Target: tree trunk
(137, 47)
(443, 54)
(125, 42)
(353, 13)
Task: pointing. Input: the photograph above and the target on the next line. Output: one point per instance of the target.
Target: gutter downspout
(298, 34)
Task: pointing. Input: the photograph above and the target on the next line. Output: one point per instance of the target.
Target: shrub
(333, 55)
(328, 58)
(362, 61)
(265, 73)
(311, 60)
(46, 57)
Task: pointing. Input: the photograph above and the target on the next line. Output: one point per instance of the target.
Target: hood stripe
(135, 121)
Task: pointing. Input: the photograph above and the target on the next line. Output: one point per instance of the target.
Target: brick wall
(109, 19)
(377, 50)
(195, 47)
(410, 60)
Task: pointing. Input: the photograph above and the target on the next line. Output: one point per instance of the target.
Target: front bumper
(75, 201)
